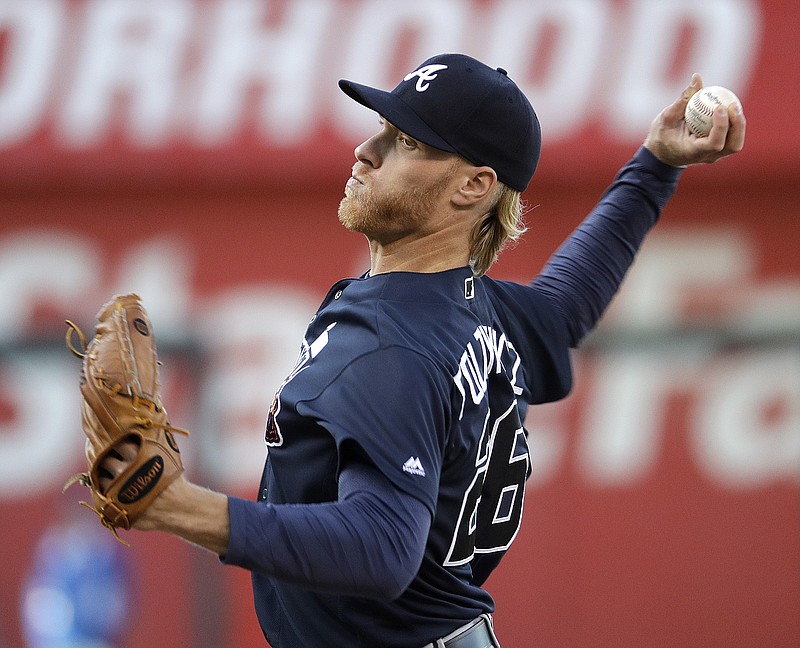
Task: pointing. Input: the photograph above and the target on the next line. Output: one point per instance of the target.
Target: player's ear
(479, 183)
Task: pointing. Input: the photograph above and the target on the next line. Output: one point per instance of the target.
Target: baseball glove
(121, 404)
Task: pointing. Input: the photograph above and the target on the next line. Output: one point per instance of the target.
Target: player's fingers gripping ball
(700, 109)
(121, 404)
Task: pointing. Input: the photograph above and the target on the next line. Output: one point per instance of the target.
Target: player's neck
(425, 255)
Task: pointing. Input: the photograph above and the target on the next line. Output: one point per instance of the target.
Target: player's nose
(368, 152)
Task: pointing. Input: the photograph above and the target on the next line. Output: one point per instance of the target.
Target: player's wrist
(164, 510)
(189, 511)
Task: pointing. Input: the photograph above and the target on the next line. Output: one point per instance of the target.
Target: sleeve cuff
(238, 532)
(666, 172)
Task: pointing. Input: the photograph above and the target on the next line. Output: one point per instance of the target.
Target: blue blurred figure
(77, 593)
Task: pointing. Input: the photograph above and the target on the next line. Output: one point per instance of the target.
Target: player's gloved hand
(671, 141)
(118, 463)
(131, 452)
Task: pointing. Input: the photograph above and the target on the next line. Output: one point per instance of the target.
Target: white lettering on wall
(47, 266)
(279, 61)
(26, 73)
(252, 336)
(247, 351)
(740, 411)
(747, 428)
(159, 270)
(645, 83)
(377, 29)
(127, 60)
(672, 266)
(627, 410)
(160, 71)
(43, 436)
(562, 97)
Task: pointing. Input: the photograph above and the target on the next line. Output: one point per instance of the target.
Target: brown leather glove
(122, 404)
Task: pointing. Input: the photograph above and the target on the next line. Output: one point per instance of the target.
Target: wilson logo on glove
(143, 481)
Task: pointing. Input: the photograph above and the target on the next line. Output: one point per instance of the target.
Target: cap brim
(396, 111)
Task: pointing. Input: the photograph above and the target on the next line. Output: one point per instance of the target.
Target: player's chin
(344, 211)
(353, 214)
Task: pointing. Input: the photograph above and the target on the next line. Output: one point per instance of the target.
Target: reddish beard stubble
(393, 215)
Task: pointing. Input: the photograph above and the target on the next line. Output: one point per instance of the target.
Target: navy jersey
(427, 378)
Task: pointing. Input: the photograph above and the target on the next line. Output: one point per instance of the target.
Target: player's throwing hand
(671, 141)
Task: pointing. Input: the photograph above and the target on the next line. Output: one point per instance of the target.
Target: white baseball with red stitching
(701, 107)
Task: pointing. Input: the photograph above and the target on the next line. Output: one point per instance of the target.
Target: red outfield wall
(195, 152)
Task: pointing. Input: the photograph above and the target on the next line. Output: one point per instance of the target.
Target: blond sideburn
(494, 230)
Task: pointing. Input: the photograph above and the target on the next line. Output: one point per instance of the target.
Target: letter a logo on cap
(426, 73)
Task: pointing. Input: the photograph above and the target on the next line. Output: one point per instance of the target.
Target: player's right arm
(584, 274)
(671, 141)
(582, 277)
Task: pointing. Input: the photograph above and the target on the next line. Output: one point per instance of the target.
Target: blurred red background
(195, 152)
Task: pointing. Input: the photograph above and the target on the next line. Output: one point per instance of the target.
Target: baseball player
(395, 475)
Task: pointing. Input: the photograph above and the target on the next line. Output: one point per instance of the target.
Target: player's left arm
(368, 543)
(184, 509)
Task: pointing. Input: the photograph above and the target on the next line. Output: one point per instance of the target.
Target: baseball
(701, 107)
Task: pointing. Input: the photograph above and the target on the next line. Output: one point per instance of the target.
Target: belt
(478, 633)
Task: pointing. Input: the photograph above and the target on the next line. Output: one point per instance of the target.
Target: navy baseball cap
(455, 103)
